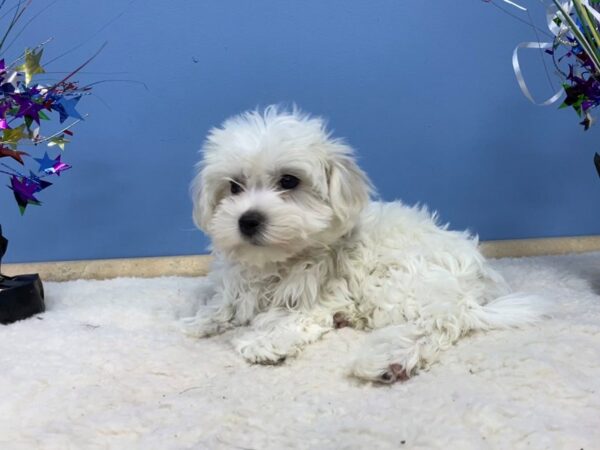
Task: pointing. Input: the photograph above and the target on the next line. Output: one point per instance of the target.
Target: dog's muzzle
(251, 223)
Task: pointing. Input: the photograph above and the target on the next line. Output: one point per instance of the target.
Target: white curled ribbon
(521, 79)
(556, 30)
(516, 5)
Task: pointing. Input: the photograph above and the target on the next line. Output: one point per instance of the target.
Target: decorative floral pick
(574, 50)
(24, 106)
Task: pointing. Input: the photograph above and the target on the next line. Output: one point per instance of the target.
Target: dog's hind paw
(260, 350)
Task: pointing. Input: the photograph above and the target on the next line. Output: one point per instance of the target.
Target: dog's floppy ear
(204, 203)
(349, 186)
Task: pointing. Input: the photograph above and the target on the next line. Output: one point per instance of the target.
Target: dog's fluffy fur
(324, 255)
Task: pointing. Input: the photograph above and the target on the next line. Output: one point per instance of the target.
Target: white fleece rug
(103, 368)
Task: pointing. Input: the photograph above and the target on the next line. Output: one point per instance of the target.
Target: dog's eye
(288, 182)
(234, 188)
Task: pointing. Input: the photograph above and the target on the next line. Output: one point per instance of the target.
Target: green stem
(581, 39)
(588, 26)
(579, 9)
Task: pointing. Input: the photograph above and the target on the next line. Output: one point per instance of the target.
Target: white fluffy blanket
(104, 368)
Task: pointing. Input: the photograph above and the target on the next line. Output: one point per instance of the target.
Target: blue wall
(423, 90)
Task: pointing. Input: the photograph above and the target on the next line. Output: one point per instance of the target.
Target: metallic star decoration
(31, 66)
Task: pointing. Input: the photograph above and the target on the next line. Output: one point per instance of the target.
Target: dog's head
(272, 184)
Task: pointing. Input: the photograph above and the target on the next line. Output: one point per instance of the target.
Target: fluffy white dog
(299, 249)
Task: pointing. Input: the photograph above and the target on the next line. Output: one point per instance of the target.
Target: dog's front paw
(381, 372)
(391, 354)
(260, 349)
(200, 327)
(395, 372)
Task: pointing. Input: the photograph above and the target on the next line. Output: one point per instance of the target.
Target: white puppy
(299, 249)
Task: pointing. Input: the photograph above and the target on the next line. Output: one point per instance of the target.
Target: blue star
(45, 163)
(42, 184)
(66, 108)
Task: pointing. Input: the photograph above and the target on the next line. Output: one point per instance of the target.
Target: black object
(21, 296)
(597, 163)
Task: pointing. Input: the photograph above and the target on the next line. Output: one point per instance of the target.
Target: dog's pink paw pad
(394, 373)
(340, 320)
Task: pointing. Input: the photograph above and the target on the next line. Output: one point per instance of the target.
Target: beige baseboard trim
(100, 269)
(518, 248)
(193, 266)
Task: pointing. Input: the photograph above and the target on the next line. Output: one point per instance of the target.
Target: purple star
(60, 167)
(27, 107)
(56, 166)
(24, 191)
(3, 108)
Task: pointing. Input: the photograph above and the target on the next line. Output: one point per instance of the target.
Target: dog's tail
(512, 310)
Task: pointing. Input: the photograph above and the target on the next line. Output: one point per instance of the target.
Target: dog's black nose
(250, 223)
